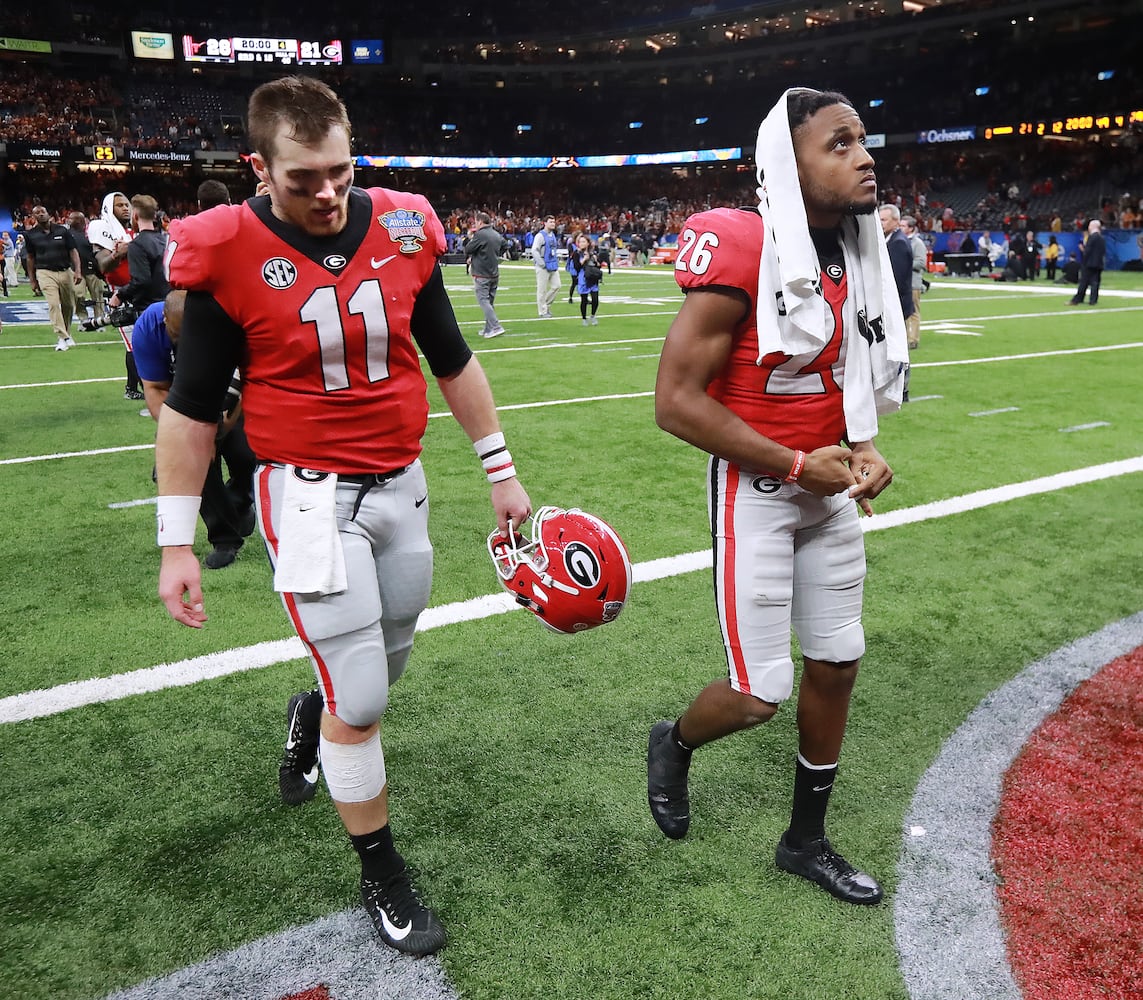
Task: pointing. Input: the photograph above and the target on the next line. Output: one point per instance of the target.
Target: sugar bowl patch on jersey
(405, 226)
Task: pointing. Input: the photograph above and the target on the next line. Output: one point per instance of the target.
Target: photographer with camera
(227, 508)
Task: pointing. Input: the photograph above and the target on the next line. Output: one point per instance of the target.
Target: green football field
(141, 831)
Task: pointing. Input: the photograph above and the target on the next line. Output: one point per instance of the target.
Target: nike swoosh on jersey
(375, 263)
(395, 932)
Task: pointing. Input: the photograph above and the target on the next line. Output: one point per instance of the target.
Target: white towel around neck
(874, 375)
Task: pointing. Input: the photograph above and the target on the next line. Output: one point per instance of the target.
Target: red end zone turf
(317, 993)
(1068, 845)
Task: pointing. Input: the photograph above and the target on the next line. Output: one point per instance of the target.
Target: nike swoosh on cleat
(375, 263)
(395, 932)
(311, 775)
(290, 741)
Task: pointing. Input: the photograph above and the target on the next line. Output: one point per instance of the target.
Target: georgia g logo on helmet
(581, 564)
(572, 570)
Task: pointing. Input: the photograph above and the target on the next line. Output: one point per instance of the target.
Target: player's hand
(509, 500)
(180, 585)
(870, 473)
(826, 471)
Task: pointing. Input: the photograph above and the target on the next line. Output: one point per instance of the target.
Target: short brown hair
(309, 107)
(144, 206)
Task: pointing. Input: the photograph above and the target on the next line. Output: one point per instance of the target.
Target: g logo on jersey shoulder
(835, 271)
(405, 226)
(581, 564)
(278, 272)
(766, 485)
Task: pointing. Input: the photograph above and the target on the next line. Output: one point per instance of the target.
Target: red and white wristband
(495, 457)
(796, 468)
(176, 518)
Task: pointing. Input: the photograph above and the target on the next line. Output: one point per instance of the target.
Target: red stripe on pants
(288, 599)
(727, 582)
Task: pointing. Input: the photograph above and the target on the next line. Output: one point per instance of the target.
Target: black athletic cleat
(823, 866)
(298, 772)
(401, 919)
(667, 766)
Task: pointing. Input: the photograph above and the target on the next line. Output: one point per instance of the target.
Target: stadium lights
(1105, 74)
(876, 102)
(982, 91)
(701, 121)
(634, 124)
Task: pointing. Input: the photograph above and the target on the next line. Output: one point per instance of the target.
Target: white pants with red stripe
(783, 557)
(360, 639)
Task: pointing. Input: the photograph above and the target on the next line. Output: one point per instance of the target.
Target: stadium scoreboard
(1071, 125)
(248, 49)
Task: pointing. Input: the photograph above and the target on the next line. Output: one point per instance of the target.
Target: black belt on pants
(373, 478)
(367, 482)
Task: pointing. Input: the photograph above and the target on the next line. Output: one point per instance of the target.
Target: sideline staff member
(54, 270)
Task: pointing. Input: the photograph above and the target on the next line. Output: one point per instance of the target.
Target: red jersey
(795, 401)
(100, 235)
(331, 375)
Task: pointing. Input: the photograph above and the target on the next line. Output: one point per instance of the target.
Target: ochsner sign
(965, 133)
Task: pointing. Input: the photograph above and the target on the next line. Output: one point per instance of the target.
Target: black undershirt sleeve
(209, 349)
(434, 328)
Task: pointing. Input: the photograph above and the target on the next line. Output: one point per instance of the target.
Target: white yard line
(51, 701)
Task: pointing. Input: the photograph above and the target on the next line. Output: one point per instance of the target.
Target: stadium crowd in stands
(1005, 185)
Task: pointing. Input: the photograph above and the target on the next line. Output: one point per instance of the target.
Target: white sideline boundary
(45, 702)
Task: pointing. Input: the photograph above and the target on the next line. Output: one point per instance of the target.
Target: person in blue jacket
(584, 260)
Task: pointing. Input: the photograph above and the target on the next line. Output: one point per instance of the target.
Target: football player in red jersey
(321, 293)
(110, 237)
(783, 491)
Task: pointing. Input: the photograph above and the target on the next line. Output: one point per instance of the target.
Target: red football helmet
(573, 575)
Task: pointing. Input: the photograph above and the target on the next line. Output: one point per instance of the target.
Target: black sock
(311, 712)
(812, 786)
(679, 741)
(379, 858)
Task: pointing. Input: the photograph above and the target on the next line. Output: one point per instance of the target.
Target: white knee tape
(354, 772)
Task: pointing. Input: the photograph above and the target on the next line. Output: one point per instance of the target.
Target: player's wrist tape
(495, 457)
(796, 468)
(176, 517)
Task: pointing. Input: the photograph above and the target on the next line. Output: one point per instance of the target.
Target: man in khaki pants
(920, 264)
(54, 270)
(93, 283)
